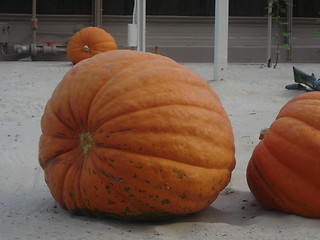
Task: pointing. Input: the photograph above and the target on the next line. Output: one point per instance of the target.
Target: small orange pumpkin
(88, 42)
(135, 135)
(283, 172)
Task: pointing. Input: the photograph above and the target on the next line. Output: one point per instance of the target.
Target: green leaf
(317, 31)
(287, 34)
(286, 46)
(271, 14)
(283, 10)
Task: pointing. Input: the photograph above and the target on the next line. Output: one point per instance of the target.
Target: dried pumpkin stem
(86, 142)
(263, 133)
(86, 48)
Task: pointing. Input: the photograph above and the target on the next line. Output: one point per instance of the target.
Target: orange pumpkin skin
(88, 42)
(135, 136)
(283, 172)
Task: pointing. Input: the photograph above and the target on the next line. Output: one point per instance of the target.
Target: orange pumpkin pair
(135, 135)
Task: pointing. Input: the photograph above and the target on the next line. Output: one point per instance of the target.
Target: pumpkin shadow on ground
(235, 208)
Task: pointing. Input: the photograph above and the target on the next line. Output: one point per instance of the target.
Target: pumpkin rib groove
(57, 116)
(65, 163)
(282, 198)
(287, 164)
(301, 121)
(266, 182)
(80, 161)
(153, 156)
(53, 160)
(154, 107)
(102, 42)
(173, 101)
(163, 64)
(292, 140)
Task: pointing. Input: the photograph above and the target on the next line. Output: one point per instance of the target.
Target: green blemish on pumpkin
(147, 181)
(53, 161)
(89, 171)
(165, 201)
(127, 210)
(140, 167)
(135, 176)
(108, 188)
(141, 191)
(85, 191)
(95, 187)
(71, 195)
(131, 195)
(183, 196)
(110, 202)
(178, 173)
(110, 165)
(94, 172)
(59, 152)
(111, 160)
(121, 130)
(112, 177)
(126, 189)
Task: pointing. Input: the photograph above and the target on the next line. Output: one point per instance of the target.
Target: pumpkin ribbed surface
(88, 42)
(136, 136)
(283, 173)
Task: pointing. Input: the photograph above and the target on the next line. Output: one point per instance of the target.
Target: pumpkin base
(143, 216)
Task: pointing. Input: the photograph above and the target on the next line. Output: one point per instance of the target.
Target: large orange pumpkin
(283, 172)
(136, 136)
(88, 42)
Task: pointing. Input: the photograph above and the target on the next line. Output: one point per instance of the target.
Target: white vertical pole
(141, 21)
(221, 39)
(289, 27)
(269, 34)
(97, 13)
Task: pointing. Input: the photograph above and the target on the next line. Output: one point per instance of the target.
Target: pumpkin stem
(86, 142)
(263, 133)
(86, 48)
